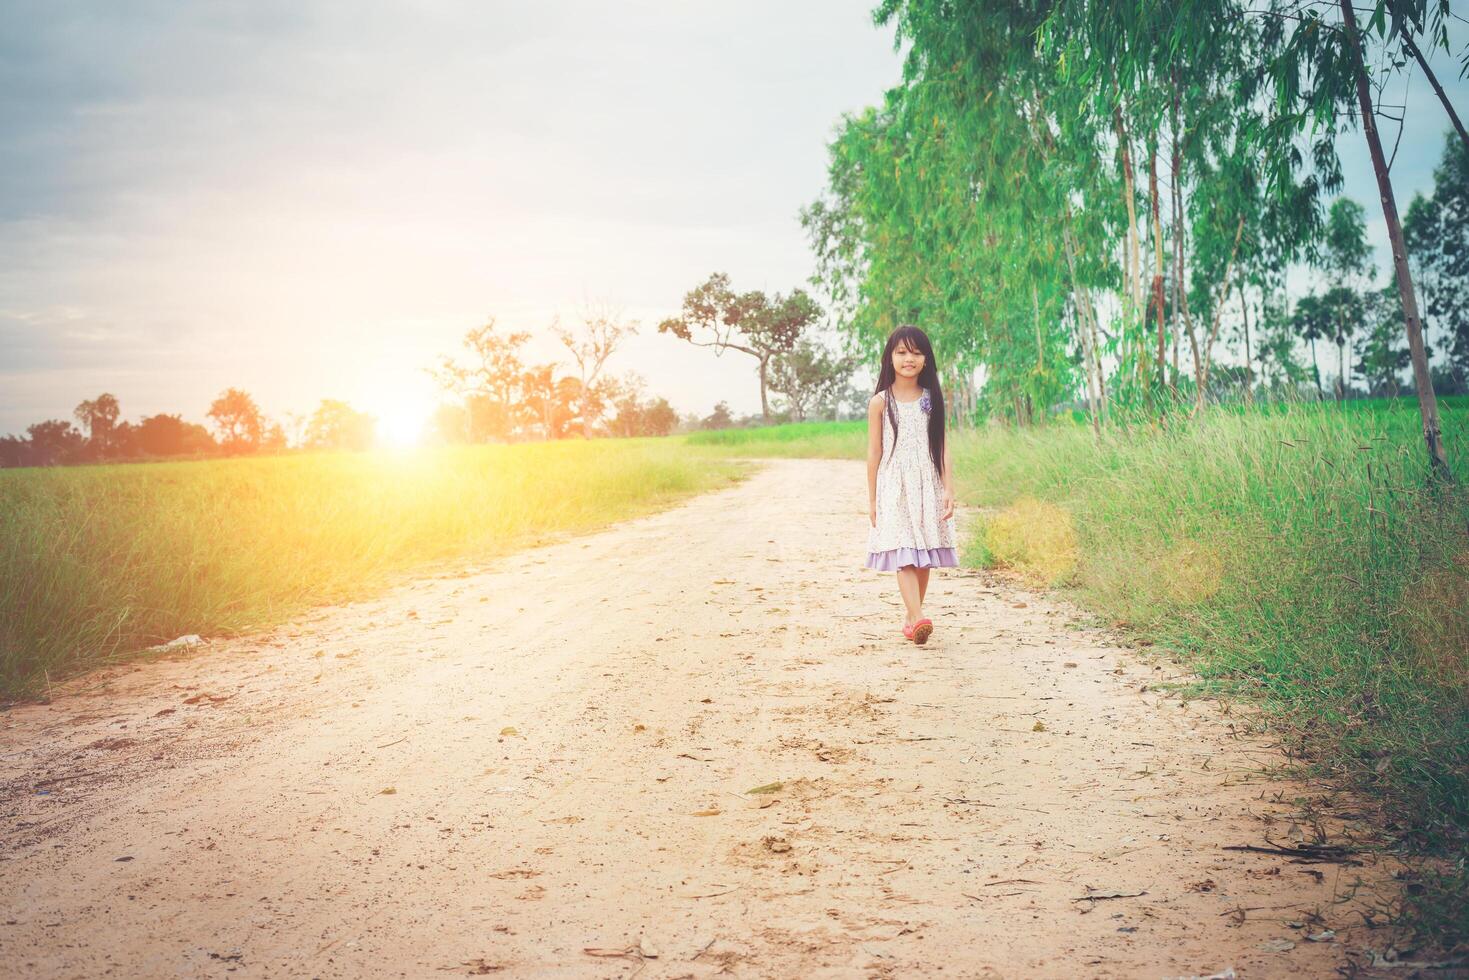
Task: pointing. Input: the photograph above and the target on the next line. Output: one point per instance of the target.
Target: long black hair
(928, 379)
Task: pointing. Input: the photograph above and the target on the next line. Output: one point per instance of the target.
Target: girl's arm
(874, 452)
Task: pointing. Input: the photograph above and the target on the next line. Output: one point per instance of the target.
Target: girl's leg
(922, 584)
(908, 587)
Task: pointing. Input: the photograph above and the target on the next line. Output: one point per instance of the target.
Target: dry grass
(1033, 538)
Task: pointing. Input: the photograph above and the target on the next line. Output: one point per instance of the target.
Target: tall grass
(1297, 554)
(105, 560)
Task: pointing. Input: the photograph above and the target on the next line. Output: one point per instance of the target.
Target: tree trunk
(1422, 380)
(1244, 306)
(1208, 360)
(764, 402)
(1091, 314)
(1134, 260)
(1188, 319)
(1158, 265)
(1086, 324)
(1316, 371)
(586, 410)
(1176, 204)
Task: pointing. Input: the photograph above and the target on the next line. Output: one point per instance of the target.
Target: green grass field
(839, 440)
(103, 561)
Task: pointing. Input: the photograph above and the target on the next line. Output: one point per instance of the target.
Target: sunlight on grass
(106, 560)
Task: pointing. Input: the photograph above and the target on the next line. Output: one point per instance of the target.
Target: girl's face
(907, 361)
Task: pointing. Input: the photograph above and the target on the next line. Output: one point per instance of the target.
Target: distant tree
(634, 414)
(15, 451)
(170, 435)
(720, 418)
(239, 421)
(537, 407)
(122, 443)
(1381, 353)
(274, 440)
(1343, 311)
(809, 376)
(848, 401)
(1436, 232)
(1422, 235)
(295, 426)
(602, 331)
(1312, 322)
(337, 425)
(1226, 380)
(449, 424)
(54, 441)
(1347, 259)
(98, 418)
(548, 403)
(659, 418)
(751, 323)
(489, 419)
(489, 383)
(1279, 369)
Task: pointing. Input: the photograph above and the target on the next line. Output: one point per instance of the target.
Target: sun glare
(400, 423)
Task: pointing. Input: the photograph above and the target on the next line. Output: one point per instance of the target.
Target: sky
(315, 200)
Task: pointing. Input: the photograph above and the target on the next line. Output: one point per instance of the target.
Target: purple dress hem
(896, 558)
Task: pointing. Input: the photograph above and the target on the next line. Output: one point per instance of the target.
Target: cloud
(292, 197)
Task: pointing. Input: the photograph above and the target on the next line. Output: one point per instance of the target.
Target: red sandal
(908, 631)
(922, 630)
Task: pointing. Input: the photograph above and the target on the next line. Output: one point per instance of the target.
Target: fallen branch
(1304, 853)
(1099, 896)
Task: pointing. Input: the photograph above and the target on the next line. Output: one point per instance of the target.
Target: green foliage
(764, 327)
(1436, 231)
(810, 377)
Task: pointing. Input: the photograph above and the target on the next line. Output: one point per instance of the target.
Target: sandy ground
(541, 767)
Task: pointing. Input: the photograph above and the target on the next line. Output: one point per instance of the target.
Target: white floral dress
(911, 529)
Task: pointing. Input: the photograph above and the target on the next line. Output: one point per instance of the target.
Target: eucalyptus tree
(1185, 75)
(954, 205)
(1436, 232)
(1318, 61)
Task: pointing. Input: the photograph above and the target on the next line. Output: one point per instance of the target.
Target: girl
(910, 488)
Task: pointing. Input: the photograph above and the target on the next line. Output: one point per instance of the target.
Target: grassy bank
(1294, 555)
(99, 561)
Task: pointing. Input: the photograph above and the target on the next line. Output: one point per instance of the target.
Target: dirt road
(542, 768)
